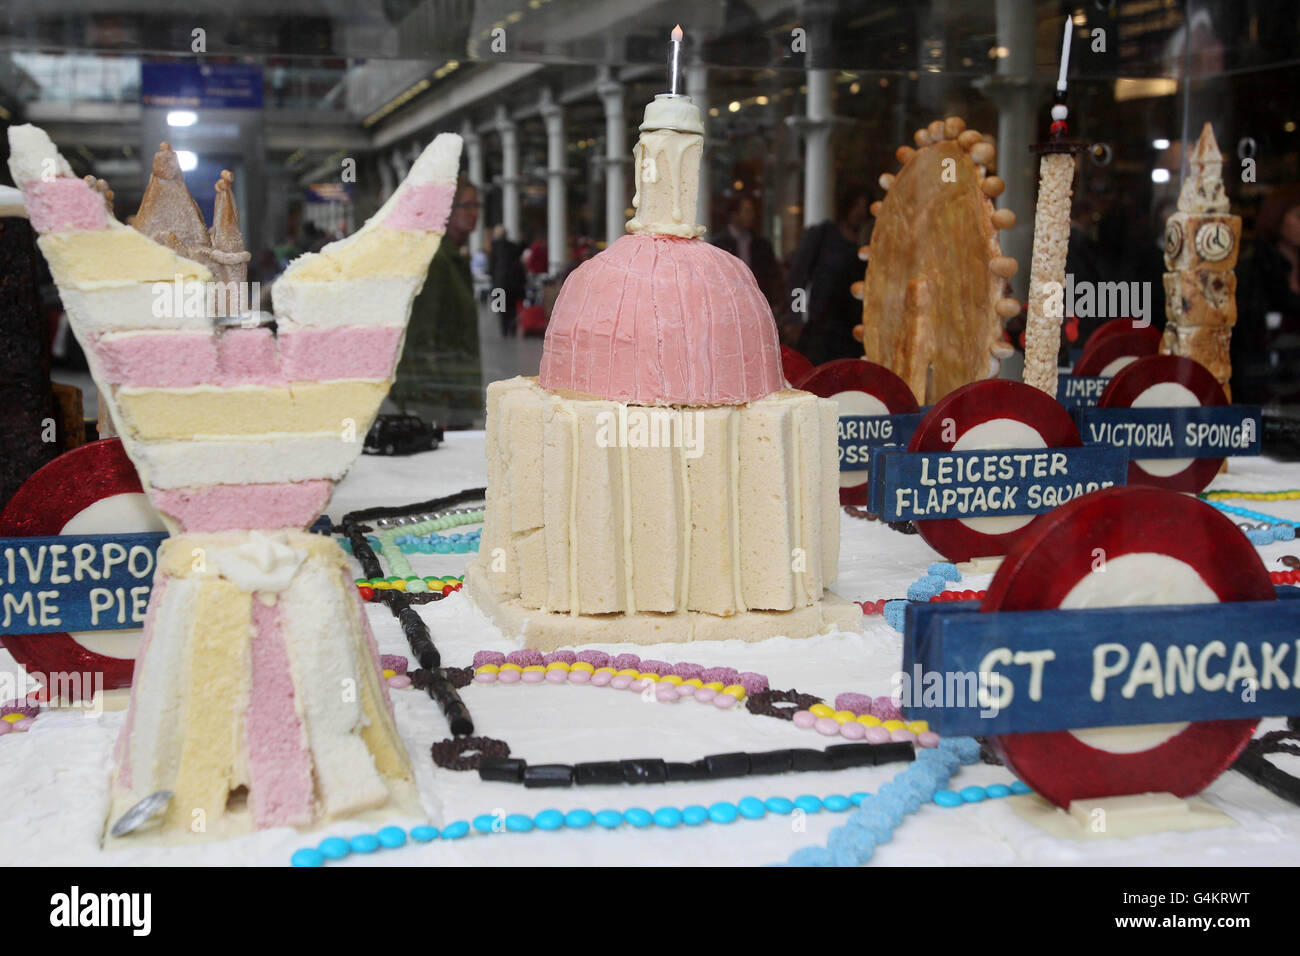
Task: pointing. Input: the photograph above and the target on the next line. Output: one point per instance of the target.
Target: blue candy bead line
(432, 543)
(877, 817)
(931, 584)
(1281, 529)
(973, 794)
(668, 818)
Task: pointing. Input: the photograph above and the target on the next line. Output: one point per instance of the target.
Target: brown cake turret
(168, 213)
(229, 258)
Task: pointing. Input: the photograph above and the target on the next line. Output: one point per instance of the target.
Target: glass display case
(318, 109)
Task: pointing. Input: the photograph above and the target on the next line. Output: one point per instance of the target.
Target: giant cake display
(660, 517)
(256, 698)
(659, 480)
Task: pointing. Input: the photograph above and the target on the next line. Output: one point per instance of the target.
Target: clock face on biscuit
(1213, 241)
(1173, 240)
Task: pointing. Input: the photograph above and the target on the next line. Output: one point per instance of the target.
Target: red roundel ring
(1122, 345)
(861, 388)
(975, 404)
(1045, 565)
(47, 501)
(794, 366)
(1133, 380)
(1120, 327)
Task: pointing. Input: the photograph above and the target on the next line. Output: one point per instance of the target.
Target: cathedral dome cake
(659, 481)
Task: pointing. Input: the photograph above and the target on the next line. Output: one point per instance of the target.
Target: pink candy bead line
(666, 692)
(854, 730)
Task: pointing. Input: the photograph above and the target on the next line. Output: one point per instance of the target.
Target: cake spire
(1203, 188)
(229, 258)
(168, 213)
(666, 161)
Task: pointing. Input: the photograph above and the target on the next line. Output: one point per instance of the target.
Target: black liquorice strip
(712, 767)
(440, 688)
(1256, 766)
(419, 507)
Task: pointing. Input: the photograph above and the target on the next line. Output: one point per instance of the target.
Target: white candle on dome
(674, 55)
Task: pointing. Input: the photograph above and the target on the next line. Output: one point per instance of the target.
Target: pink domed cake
(659, 481)
(662, 320)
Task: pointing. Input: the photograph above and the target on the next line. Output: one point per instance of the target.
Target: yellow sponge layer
(215, 699)
(378, 253)
(115, 256)
(343, 407)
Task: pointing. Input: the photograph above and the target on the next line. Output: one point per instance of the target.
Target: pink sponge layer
(294, 504)
(64, 203)
(422, 207)
(248, 356)
(656, 320)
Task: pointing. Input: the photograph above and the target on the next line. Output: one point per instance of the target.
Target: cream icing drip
(666, 164)
(574, 610)
(625, 474)
(800, 584)
(733, 464)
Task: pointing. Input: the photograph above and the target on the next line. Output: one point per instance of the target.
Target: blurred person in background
(439, 377)
(507, 273)
(1266, 340)
(822, 272)
(751, 248)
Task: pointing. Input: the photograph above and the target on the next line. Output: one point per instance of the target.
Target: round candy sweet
(519, 823)
(948, 798)
(998, 790)
(609, 819)
(853, 730)
(805, 719)
(779, 805)
(828, 726)
(808, 803)
(723, 812)
(424, 834)
(667, 817)
(400, 682)
(307, 857)
(973, 794)
(579, 819)
(928, 739)
(364, 843)
(837, 803)
(694, 815)
(705, 694)
(875, 735)
(334, 848)
(549, 820)
(391, 837)
(509, 676)
(751, 808)
(638, 817)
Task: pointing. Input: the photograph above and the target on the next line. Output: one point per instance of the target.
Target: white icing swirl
(263, 562)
